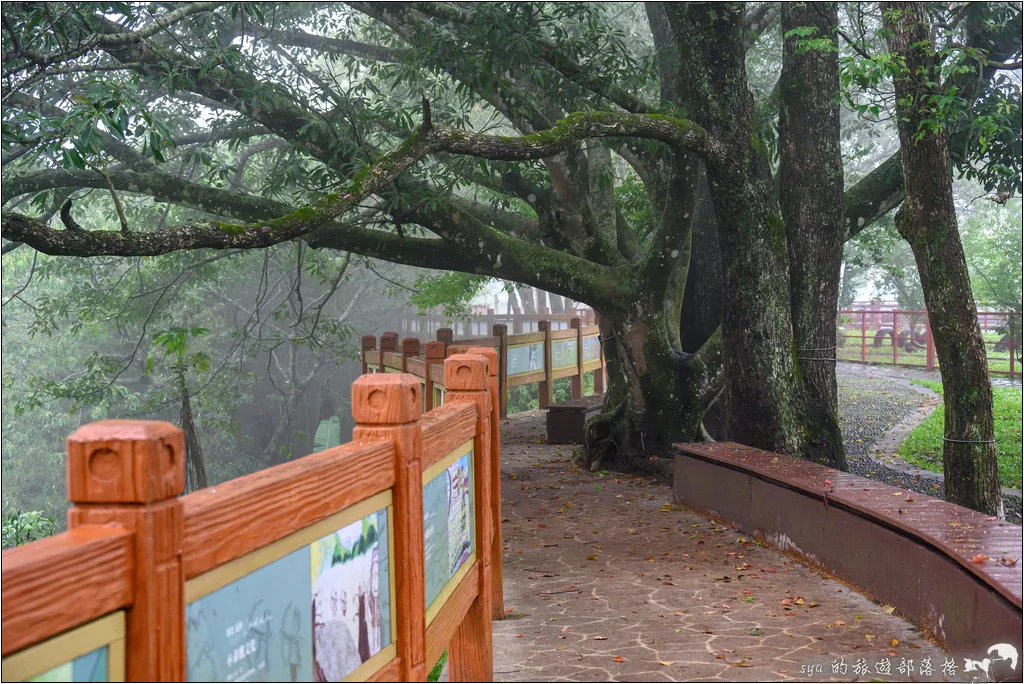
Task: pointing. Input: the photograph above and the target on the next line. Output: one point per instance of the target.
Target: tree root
(600, 443)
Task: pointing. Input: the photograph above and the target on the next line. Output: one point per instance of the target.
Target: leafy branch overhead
(301, 222)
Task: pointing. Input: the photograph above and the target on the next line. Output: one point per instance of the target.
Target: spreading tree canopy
(644, 159)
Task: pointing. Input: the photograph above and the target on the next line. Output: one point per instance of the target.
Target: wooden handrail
(133, 542)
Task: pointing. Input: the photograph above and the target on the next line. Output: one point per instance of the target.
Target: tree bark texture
(927, 220)
(811, 198)
(767, 407)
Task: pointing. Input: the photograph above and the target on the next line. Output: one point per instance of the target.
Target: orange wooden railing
(146, 577)
(549, 355)
(904, 338)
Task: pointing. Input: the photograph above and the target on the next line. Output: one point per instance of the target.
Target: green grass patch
(435, 672)
(923, 447)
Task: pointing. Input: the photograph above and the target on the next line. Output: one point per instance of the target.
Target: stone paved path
(605, 580)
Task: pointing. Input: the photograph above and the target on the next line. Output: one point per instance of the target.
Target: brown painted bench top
(581, 405)
(960, 533)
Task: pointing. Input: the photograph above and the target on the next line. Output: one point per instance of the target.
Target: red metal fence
(904, 338)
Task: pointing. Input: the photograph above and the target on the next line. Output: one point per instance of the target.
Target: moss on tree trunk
(927, 220)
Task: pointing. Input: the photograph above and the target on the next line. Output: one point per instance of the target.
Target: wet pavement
(607, 580)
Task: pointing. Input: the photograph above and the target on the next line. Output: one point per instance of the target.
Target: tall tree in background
(811, 194)
(927, 220)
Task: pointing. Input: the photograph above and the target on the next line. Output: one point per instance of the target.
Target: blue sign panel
(91, 667)
(525, 358)
(447, 523)
(563, 353)
(315, 614)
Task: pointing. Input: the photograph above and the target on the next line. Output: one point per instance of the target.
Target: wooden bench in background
(566, 419)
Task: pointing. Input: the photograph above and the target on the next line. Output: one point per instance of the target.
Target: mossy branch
(261, 234)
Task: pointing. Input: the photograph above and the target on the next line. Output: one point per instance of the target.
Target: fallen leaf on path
(754, 631)
(980, 558)
(888, 610)
(894, 642)
(618, 659)
(600, 638)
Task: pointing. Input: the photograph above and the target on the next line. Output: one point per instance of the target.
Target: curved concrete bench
(915, 552)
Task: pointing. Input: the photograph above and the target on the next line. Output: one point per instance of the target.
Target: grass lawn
(923, 447)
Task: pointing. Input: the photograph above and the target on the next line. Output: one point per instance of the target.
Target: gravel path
(878, 408)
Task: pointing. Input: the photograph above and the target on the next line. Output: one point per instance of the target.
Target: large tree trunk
(767, 402)
(656, 395)
(811, 198)
(927, 220)
(702, 302)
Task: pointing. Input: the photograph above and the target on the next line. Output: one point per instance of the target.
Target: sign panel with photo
(563, 353)
(591, 348)
(529, 357)
(351, 598)
(258, 628)
(448, 521)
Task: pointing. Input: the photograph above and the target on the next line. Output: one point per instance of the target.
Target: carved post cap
(125, 461)
(465, 372)
(435, 350)
(389, 341)
(574, 322)
(490, 354)
(499, 329)
(543, 325)
(386, 399)
(369, 342)
(410, 346)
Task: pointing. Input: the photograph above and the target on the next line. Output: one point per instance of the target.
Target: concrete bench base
(956, 573)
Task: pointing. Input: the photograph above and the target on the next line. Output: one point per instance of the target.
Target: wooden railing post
(466, 378)
(544, 387)
(388, 343)
(130, 473)
(895, 337)
(445, 336)
(434, 356)
(863, 336)
(369, 343)
(500, 331)
(1011, 347)
(599, 371)
(577, 380)
(497, 578)
(388, 408)
(410, 349)
(930, 344)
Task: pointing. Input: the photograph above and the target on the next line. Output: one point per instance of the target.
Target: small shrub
(23, 527)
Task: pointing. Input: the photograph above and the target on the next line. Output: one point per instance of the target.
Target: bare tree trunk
(927, 220)
(526, 299)
(195, 467)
